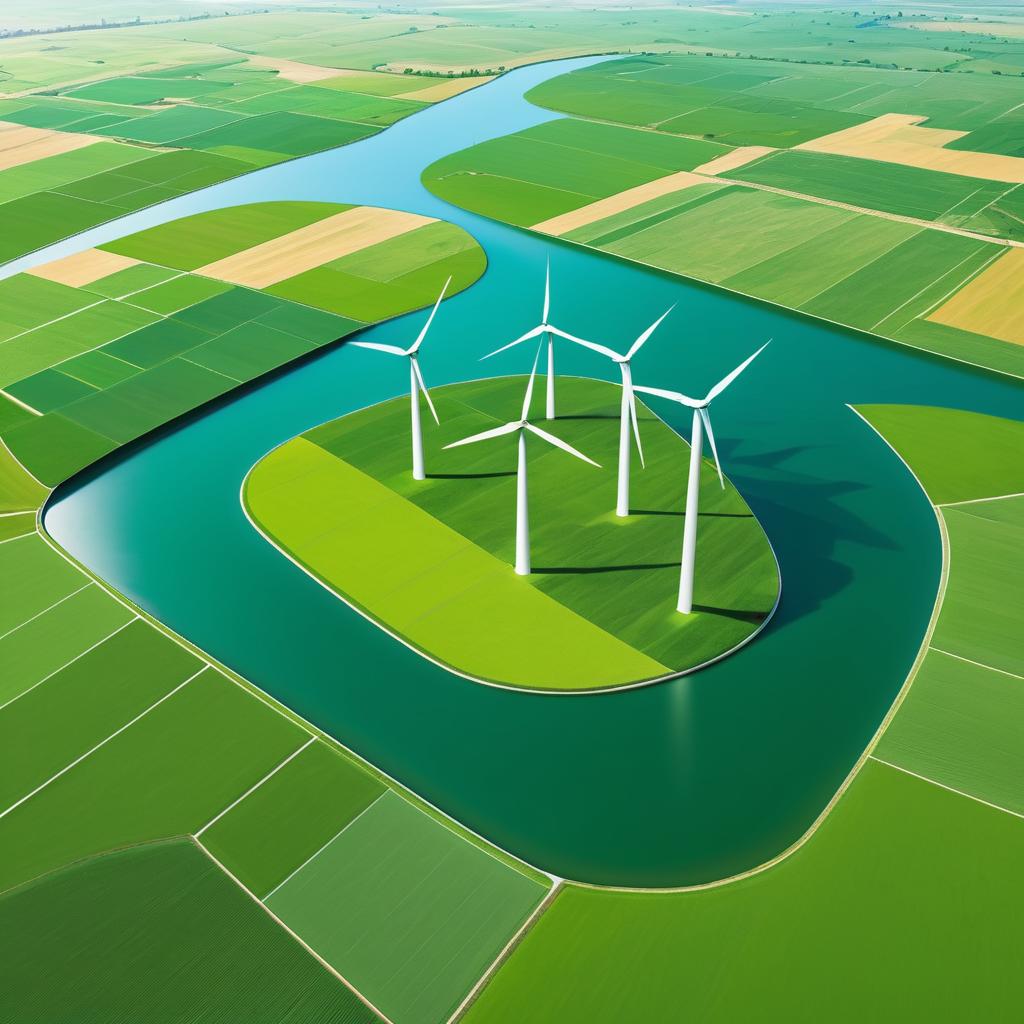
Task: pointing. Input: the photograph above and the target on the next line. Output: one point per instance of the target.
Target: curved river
(674, 784)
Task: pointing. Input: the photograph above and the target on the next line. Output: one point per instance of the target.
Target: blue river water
(674, 784)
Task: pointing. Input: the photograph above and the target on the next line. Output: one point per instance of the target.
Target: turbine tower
(543, 328)
(416, 384)
(521, 427)
(627, 412)
(701, 421)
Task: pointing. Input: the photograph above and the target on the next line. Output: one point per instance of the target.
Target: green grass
(559, 166)
(53, 172)
(407, 911)
(600, 605)
(36, 579)
(131, 279)
(189, 758)
(18, 491)
(84, 702)
(170, 296)
(48, 642)
(957, 455)
(905, 884)
(192, 242)
(962, 725)
(891, 188)
(158, 934)
(276, 829)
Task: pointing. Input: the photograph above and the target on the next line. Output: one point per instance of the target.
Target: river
(674, 784)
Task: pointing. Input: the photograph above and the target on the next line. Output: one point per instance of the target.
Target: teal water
(674, 784)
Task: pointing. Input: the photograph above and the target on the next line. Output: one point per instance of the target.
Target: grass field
(87, 368)
(431, 561)
(912, 882)
(157, 933)
(863, 269)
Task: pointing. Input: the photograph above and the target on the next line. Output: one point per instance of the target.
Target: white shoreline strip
(70, 661)
(950, 789)
(18, 401)
(295, 935)
(273, 771)
(309, 860)
(102, 743)
(78, 590)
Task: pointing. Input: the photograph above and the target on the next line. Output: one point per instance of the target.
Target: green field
(94, 367)
(410, 914)
(905, 882)
(746, 102)
(559, 166)
(431, 560)
(859, 269)
(157, 934)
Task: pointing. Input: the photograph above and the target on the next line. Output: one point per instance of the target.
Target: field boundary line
(950, 789)
(49, 607)
(56, 319)
(517, 937)
(273, 771)
(102, 743)
(70, 661)
(314, 856)
(295, 935)
(978, 664)
(931, 284)
(979, 501)
(18, 401)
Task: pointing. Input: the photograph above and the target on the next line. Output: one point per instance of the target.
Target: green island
(887, 201)
(909, 875)
(431, 560)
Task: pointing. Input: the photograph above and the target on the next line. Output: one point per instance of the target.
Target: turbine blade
(559, 443)
(673, 396)
(636, 426)
(639, 343)
(423, 387)
(547, 293)
(393, 350)
(711, 440)
(430, 319)
(532, 333)
(486, 435)
(726, 381)
(586, 344)
(529, 387)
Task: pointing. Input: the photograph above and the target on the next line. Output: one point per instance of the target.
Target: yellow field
(739, 157)
(993, 303)
(617, 203)
(21, 145)
(444, 90)
(293, 70)
(83, 268)
(312, 246)
(899, 139)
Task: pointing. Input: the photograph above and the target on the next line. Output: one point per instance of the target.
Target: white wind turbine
(520, 427)
(628, 408)
(541, 329)
(701, 421)
(415, 384)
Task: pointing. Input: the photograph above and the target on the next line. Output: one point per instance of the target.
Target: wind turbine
(628, 409)
(415, 384)
(701, 421)
(521, 427)
(541, 329)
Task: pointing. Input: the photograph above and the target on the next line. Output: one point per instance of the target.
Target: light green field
(156, 934)
(103, 372)
(600, 604)
(290, 817)
(410, 914)
(905, 882)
